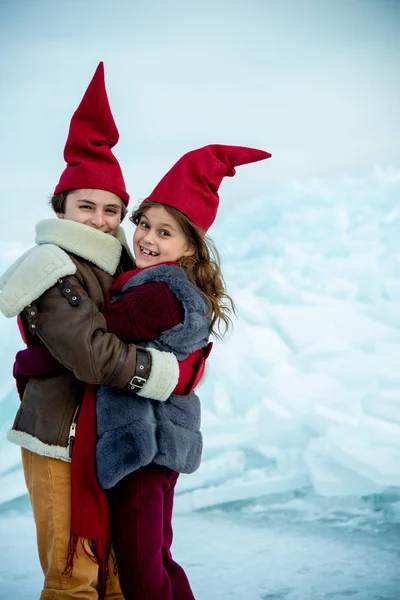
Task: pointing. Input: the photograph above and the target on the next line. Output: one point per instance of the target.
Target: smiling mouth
(147, 252)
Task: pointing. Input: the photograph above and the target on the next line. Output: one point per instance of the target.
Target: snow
(302, 398)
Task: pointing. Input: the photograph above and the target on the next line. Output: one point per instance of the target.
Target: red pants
(141, 524)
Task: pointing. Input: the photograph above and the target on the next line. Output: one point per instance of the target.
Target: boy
(58, 289)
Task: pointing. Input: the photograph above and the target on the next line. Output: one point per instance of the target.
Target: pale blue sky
(315, 82)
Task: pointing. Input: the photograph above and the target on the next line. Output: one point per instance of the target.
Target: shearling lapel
(89, 243)
(39, 268)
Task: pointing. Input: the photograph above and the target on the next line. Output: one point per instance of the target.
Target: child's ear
(60, 215)
(190, 250)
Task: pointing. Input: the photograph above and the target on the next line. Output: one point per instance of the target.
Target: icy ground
(245, 556)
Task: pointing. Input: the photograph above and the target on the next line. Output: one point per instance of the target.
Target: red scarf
(90, 515)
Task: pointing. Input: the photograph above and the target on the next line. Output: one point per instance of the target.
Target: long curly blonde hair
(202, 268)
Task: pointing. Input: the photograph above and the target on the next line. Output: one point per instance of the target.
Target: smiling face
(159, 238)
(96, 208)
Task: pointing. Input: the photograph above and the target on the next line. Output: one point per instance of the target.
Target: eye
(85, 206)
(111, 211)
(143, 225)
(164, 233)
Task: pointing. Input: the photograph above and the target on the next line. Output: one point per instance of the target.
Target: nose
(97, 219)
(149, 236)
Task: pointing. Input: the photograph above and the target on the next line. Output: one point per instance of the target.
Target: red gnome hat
(192, 184)
(87, 152)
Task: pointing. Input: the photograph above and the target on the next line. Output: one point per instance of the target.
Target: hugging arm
(75, 332)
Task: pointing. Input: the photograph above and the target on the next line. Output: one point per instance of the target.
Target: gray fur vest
(134, 431)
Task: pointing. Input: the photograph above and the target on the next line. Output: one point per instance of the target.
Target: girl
(173, 301)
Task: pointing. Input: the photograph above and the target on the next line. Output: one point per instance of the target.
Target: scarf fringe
(98, 552)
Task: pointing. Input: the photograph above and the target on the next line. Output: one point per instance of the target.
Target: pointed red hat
(192, 184)
(87, 152)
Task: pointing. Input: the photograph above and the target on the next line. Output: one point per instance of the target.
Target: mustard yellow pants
(49, 485)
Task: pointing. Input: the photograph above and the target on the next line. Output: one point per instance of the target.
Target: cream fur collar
(39, 268)
(100, 248)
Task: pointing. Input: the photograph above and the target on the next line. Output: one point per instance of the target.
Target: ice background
(301, 407)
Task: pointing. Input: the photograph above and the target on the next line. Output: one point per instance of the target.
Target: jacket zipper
(72, 432)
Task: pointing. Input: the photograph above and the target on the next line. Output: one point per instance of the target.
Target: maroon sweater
(143, 312)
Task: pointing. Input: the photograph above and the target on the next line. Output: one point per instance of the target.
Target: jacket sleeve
(77, 336)
(143, 312)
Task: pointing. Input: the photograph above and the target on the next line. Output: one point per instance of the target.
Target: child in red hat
(58, 289)
(172, 301)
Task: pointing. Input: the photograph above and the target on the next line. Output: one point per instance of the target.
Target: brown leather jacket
(68, 319)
